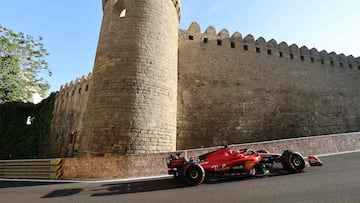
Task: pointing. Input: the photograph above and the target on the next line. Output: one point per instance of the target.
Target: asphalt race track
(337, 181)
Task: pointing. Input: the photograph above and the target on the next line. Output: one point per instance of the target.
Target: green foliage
(21, 61)
(19, 139)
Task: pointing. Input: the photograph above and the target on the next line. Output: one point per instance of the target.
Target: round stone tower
(133, 91)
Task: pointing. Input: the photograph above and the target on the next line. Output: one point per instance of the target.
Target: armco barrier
(32, 169)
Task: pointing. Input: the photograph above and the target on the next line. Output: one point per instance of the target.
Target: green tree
(22, 59)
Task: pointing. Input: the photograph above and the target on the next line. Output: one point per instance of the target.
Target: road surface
(337, 181)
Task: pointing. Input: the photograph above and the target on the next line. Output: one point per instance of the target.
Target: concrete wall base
(128, 166)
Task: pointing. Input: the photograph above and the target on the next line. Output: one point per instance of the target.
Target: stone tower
(133, 92)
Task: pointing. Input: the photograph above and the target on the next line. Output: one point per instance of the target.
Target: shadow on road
(8, 184)
(63, 193)
(134, 187)
(145, 186)
(120, 188)
(164, 184)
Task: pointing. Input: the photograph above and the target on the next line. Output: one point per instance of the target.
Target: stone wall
(153, 89)
(236, 90)
(154, 164)
(131, 107)
(115, 166)
(69, 109)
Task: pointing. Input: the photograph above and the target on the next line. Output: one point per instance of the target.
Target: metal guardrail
(32, 169)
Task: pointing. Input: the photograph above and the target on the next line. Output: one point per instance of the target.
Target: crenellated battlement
(271, 47)
(78, 86)
(76, 82)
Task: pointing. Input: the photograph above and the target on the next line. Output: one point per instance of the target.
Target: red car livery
(225, 162)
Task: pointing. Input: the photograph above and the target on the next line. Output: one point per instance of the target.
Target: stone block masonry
(131, 107)
(236, 90)
(68, 112)
(155, 88)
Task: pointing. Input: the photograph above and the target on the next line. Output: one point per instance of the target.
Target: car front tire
(292, 162)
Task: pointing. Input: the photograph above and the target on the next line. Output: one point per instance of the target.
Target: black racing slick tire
(292, 162)
(194, 174)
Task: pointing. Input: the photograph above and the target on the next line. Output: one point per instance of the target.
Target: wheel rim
(194, 174)
(297, 162)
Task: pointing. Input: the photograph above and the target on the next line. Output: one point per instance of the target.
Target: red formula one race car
(225, 162)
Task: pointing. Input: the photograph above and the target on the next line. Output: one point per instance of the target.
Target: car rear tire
(194, 174)
(292, 162)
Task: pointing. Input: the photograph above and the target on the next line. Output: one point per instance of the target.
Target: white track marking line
(338, 153)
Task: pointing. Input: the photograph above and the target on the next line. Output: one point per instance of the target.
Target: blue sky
(70, 28)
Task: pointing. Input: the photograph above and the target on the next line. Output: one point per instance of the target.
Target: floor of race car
(275, 171)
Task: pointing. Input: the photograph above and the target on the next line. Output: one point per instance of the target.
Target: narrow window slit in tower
(206, 40)
(332, 63)
(123, 13)
(322, 61)
(191, 37)
(120, 8)
(246, 48)
(281, 54)
(292, 56)
(269, 51)
(302, 58)
(232, 44)
(219, 42)
(312, 59)
(257, 50)
(358, 67)
(350, 66)
(341, 65)
(86, 88)
(71, 138)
